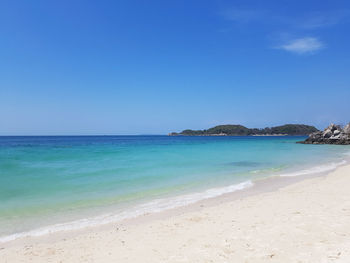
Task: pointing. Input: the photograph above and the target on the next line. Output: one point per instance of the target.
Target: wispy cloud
(309, 20)
(322, 19)
(291, 23)
(304, 45)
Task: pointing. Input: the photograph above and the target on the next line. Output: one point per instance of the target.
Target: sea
(57, 183)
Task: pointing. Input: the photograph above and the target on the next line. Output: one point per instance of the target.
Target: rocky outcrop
(346, 129)
(333, 134)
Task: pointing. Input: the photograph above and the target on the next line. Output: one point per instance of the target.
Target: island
(240, 130)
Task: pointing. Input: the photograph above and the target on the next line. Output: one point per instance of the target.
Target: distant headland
(239, 130)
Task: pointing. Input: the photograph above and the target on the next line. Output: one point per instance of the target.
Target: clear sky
(152, 67)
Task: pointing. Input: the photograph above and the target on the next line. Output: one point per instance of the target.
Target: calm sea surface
(64, 181)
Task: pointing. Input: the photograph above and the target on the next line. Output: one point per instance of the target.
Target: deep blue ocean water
(45, 181)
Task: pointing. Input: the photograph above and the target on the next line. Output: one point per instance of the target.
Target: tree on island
(239, 130)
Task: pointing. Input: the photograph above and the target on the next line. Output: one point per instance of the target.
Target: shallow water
(46, 181)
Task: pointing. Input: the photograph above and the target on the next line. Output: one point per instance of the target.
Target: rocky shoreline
(333, 134)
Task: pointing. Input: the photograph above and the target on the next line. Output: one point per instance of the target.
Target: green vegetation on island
(239, 130)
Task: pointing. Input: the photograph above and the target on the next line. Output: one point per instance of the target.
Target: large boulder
(336, 132)
(346, 129)
(316, 135)
(327, 133)
(344, 136)
(332, 127)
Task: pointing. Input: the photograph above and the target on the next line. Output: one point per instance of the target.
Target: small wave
(267, 170)
(316, 169)
(154, 206)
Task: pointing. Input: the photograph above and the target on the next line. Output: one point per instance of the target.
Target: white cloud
(303, 45)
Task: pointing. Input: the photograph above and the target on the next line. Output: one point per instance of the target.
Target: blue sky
(152, 67)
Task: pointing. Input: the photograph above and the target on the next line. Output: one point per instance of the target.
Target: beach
(175, 131)
(303, 221)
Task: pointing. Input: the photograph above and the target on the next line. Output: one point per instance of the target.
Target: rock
(316, 135)
(343, 136)
(336, 132)
(327, 133)
(333, 127)
(347, 129)
(333, 134)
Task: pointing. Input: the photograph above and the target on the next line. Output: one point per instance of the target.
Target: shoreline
(271, 185)
(179, 203)
(293, 219)
(232, 135)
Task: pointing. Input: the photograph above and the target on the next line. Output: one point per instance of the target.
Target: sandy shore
(307, 221)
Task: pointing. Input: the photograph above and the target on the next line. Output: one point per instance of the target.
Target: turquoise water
(46, 181)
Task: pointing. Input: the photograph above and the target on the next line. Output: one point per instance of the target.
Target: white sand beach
(306, 221)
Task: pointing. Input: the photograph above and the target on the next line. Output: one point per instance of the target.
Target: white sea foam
(154, 206)
(316, 169)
